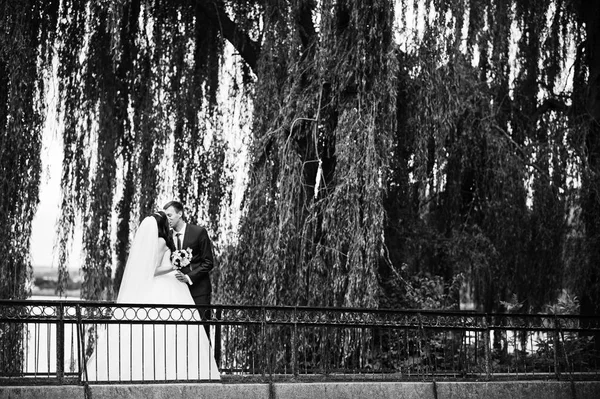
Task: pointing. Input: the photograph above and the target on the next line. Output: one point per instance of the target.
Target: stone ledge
(319, 390)
(141, 391)
(370, 390)
(519, 389)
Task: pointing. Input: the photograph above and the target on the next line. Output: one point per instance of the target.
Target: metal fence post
(263, 333)
(294, 345)
(60, 343)
(486, 348)
(420, 345)
(556, 365)
(219, 316)
(80, 346)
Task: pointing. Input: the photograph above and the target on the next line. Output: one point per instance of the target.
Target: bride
(156, 351)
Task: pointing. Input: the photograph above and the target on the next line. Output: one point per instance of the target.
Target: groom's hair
(175, 204)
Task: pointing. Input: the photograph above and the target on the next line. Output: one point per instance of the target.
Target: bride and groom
(175, 351)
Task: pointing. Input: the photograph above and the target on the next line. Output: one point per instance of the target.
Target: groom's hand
(183, 278)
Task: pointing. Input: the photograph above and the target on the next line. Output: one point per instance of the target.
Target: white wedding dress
(157, 351)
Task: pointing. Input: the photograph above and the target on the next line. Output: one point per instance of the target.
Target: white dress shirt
(181, 234)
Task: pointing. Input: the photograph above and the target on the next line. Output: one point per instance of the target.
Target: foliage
(23, 61)
(311, 228)
(131, 87)
(566, 303)
(392, 157)
(21, 120)
(492, 149)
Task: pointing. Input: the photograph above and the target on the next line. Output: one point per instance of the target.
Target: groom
(196, 275)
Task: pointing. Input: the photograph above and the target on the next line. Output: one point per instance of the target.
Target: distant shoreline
(45, 281)
(43, 294)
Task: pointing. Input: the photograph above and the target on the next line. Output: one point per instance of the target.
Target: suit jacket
(196, 238)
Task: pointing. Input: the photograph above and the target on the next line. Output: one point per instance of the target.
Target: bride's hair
(163, 228)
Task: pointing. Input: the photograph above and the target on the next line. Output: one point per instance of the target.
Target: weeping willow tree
(394, 148)
(474, 169)
(324, 105)
(586, 115)
(138, 85)
(493, 143)
(24, 57)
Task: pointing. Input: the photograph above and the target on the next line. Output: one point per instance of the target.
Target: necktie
(178, 240)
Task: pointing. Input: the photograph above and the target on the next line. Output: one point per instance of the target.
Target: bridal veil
(139, 270)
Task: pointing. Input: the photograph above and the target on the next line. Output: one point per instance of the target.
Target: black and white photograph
(289, 199)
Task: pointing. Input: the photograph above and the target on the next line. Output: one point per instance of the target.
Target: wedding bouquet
(181, 258)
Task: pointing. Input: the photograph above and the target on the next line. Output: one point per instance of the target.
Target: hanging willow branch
(141, 87)
(295, 248)
(24, 31)
(142, 114)
(22, 110)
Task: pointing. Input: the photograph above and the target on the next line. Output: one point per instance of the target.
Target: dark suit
(196, 238)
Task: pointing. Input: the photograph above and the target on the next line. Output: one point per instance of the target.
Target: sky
(43, 235)
(44, 222)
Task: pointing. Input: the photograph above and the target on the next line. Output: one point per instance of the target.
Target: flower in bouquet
(181, 258)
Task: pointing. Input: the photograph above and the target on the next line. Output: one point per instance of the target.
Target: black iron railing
(52, 341)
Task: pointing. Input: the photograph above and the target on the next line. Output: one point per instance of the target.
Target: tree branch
(306, 27)
(248, 49)
(522, 152)
(551, 104)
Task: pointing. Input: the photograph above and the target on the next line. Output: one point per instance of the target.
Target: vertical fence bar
(82, 372)
(568, 364)
(476, 349)
(420, 339)
(556, 365)
(217, 346)
(327, 352)
(264, 341)
(294, 345)
(486, 348)
(60, 343)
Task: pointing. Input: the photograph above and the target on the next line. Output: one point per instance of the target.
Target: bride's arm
(165, 265)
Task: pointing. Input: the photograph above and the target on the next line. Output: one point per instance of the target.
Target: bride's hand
(182, 277)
